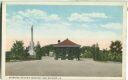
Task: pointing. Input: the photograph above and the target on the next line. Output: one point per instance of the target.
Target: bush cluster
(113, 54)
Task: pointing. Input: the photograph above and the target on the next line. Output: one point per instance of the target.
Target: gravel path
(50, 67)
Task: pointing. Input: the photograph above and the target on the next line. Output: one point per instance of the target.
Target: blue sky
(53, 22)
(115, 12)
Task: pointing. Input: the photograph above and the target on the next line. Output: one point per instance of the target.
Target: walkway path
(50, 67)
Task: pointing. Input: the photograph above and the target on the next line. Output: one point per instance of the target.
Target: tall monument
(31, 47)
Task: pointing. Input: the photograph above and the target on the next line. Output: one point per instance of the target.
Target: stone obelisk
(31, 48)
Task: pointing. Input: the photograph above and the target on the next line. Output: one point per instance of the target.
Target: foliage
(18, 51)
(113, 54)
(116, 47)
(26, 53)
(86, 52)
(8, 55)
(95, 51)
(46, 49)
(38, 51)
(67, 53)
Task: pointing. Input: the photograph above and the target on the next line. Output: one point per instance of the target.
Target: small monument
(31, 47)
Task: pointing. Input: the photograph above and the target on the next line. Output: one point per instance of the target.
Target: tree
(116, 50)
(95, 51)
(46, 49)
(38, 51)
(26, 52)
(18, 50)
(86, 52)
(116, 47)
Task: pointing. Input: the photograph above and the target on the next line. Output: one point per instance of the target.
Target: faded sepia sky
(85, 25)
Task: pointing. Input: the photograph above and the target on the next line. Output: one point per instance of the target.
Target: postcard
(64, 40)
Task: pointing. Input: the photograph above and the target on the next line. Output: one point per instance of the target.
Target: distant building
(67, 50)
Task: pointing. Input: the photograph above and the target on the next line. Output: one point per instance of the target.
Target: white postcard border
(4, 4)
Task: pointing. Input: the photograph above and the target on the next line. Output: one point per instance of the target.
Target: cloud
(35, 15)
(86, 17)
(64, 30)
(53, 17)
(79, 17)
(32, 13)
(95, 15)
(112, 26)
